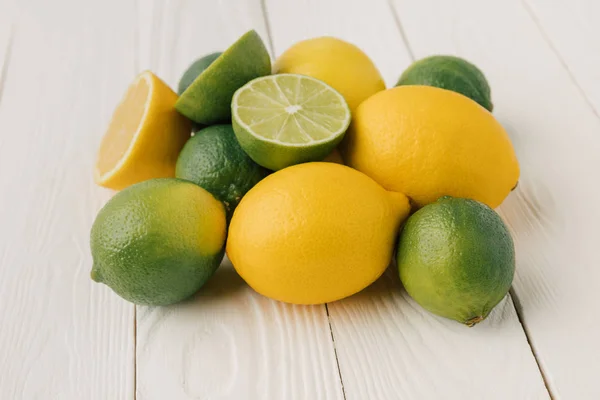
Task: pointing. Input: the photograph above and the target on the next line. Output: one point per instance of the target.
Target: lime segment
(207, 100)
(287, 119)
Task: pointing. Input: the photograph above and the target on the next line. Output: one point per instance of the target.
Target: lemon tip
(400, 204)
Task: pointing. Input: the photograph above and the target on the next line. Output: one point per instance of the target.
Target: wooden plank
(227, 342)
(369, 25)
(7, 19)
(5, 41)
(553, 214)
(571, 29)
(231, 343)
(62, 336)
(387, 346)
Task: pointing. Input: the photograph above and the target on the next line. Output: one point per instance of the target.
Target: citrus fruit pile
(311, 176)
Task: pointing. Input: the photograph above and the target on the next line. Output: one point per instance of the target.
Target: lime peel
(286, 119)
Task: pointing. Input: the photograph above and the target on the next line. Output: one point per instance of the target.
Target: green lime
(157, 242)
(451, 73)
(208, 99)
(456, 258)
(214, 160)
(286, 119)
(191, 74)
(194, 70)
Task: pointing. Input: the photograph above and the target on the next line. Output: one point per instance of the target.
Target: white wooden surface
(229, 342)
(387, 346)
(64, 65)
(61, 336)
(553, 213)
(571, 29)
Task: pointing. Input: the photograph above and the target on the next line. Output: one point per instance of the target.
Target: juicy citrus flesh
(159, 241)
(144, 136)
(124, 124)
(291, 109)
(314, 233)
(428, 142)
(456, 259)
(207, 100)
(340, 64)
(285, 119)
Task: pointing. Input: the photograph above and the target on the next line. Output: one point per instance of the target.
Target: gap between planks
(337, 362)
(406, 43)
(511, 293)
(6, 61)
(265, 14)
(410, 52)
(400, 28)
(517, 306)
(539, 26)
(138, 317)
(559, 57)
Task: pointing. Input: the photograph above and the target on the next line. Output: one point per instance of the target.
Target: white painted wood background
(64, 65)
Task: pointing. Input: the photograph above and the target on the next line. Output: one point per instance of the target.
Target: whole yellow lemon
(340, 64)
(428, 142)
(314, 233)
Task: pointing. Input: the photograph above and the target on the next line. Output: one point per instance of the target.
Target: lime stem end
(95, 275)
(473, 321)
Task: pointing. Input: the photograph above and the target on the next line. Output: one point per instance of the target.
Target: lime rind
(450, 73)
(194, 70)
(288, 119)
(208, 99)
(214, 160)
(340, 104)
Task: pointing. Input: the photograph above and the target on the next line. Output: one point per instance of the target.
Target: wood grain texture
(390, 348)
(64, 66)
(369, 25)
(61, 336)
(387, 346)
(553, 214)
(571, 28)
(7, 18)
(228, 342)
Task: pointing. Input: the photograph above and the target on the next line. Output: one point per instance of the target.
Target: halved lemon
(144, 137)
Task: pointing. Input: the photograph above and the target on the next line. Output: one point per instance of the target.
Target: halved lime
(194, 70)
(207, 100)
(287, 119)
